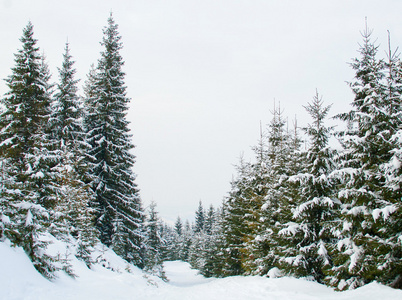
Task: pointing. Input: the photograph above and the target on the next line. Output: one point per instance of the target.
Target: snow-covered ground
(19, 280)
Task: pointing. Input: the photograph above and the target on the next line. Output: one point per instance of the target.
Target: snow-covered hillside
(19, 280)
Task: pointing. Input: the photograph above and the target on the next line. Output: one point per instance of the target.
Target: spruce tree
(233, 227)
(28, 156)
(67, 118)
(186, 240)
(210, 220)
(155, 244)
(275, 207)
(367, 146)
(213, 263)
(67, 129)
(255, 194)
(388, 218)
(199, 218)
(309, 232)
(178, 226)
(119, 217)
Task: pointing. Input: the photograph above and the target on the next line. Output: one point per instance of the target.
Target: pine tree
(276, 204)
(389, 217)
(67, 129)
(212, 260)
(27, 156)
(199, 218)
(210, 220)
(119, 211)
(155, 244)
(67, 119)
(174, 238)
(186, 240)
(368, 145)
(178, 226)
(233, 228)
(309, 233)
(253, 201)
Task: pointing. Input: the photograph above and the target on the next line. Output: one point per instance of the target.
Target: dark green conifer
(27, 155)
(119, 217)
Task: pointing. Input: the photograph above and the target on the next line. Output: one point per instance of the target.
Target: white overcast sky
(203, 74)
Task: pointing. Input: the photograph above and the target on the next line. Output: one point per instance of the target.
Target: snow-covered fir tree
(309, 232)
(119, 217)
(366, 252)
(67, 129)
(174, 237)
(277, 201)
(27, 155)
(233, 228)
(212, 263)
(253, 220)
(390, 216)
(210, 219)
(199, 218)
(155, 244)
(178, 226)
(67, 121)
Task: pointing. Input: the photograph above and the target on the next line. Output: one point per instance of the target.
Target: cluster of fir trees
(193, 243)
(65, 161)
(333, 216)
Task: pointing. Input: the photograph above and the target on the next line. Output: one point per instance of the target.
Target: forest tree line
(66, 161)
(330, 215)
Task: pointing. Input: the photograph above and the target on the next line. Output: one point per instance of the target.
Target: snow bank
(19, 280)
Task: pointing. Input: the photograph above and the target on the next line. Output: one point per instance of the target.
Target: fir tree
(68, 116)
(26, 153)
(199, 218)
(368, 145)
(155, 244)
(75, 195)
(388, 218)
(253, 220)
(212, 263)
(234, 229)
(209, 220)
(309, 232)
(178, 226)
(268, 247)
(119, 212)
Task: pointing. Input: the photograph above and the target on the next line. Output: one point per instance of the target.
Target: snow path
(180, 274)
(185, 283)
(20, 281)
(188, 284)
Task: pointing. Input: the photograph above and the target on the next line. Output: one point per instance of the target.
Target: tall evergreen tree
(389, 216)
(277, 201)
(368, 145)
(256, 191)
(119, 211)
(26, 153)
(199, 218)
(233, 228)
(67, 129)
(67, 118)
(309, 232)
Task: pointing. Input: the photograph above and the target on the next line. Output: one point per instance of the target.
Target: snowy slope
(19, 280)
